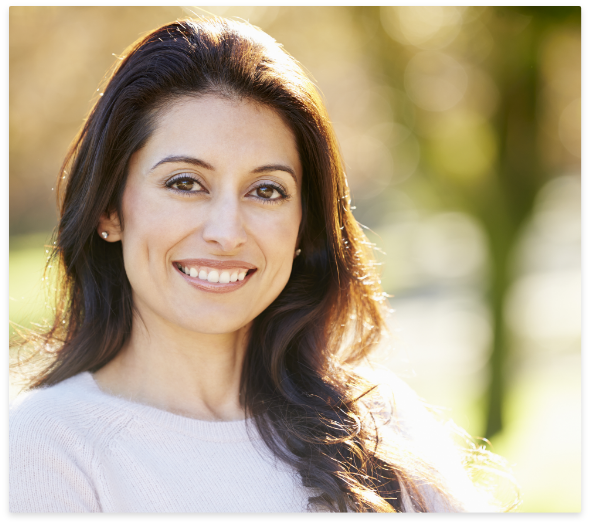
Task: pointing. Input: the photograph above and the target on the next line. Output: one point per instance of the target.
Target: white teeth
(214, 276)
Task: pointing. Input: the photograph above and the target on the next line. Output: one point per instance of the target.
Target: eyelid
(274, 184)
(283, 193)
(183, 175)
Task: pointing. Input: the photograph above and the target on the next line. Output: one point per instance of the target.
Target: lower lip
(206, 286)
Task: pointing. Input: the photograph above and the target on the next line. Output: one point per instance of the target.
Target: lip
(206, 286)
(213, 263)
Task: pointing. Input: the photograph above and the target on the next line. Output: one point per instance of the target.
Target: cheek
(147, 227)
(277, 237)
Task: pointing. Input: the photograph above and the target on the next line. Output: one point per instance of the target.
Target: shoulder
(393, 401)
(56, 435)
(74, 406)
(406, 421)
(398, 404)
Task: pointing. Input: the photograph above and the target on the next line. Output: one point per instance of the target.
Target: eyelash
(183, 176)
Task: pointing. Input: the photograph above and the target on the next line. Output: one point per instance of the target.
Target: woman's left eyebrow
(276, 167)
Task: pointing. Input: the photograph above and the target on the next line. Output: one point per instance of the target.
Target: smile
(215, 276)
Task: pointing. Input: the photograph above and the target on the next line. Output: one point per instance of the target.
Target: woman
(218, 300)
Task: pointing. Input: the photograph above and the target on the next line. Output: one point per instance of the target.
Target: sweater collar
(220, 431)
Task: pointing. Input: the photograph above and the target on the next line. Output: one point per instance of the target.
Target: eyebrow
(181, 158)
(276, 167)
(206, 165)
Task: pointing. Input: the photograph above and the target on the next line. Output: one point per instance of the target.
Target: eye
(269, 192)
(184, 184)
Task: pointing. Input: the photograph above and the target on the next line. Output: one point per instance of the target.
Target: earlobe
(109, 227)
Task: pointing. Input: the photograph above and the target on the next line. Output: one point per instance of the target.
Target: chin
(215, 325)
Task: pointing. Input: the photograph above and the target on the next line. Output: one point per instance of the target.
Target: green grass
(29, 295)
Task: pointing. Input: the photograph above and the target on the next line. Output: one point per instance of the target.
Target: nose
(224, 225)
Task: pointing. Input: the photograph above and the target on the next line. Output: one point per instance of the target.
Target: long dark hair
(299, 380)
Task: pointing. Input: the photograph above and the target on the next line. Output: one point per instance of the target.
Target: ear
(109, 222)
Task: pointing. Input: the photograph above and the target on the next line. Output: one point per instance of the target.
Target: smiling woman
(218, 298)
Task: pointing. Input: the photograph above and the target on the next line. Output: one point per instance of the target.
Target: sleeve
(47, 467)
(434, 441)
(405, 417)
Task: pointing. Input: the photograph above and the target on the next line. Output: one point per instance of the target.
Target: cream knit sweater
(74, 448)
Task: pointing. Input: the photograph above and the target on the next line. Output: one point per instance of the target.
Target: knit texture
(74, 448)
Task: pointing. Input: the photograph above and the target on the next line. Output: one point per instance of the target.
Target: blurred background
(461, 132)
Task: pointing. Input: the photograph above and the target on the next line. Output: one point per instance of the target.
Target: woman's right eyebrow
(181, 158)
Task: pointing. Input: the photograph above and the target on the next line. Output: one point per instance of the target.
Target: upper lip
(213, 263)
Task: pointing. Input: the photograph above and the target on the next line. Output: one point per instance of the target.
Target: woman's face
(211, 213)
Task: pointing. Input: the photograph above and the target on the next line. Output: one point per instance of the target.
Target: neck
(191, 374)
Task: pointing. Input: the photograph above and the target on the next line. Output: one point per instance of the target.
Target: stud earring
(104, 235)
(297, 252)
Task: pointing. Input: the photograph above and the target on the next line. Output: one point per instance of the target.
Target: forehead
(223, 129)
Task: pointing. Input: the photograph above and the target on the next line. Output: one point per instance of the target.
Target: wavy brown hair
(298, 381)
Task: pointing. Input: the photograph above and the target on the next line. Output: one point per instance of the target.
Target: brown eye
(188, 185)
(265, 192)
